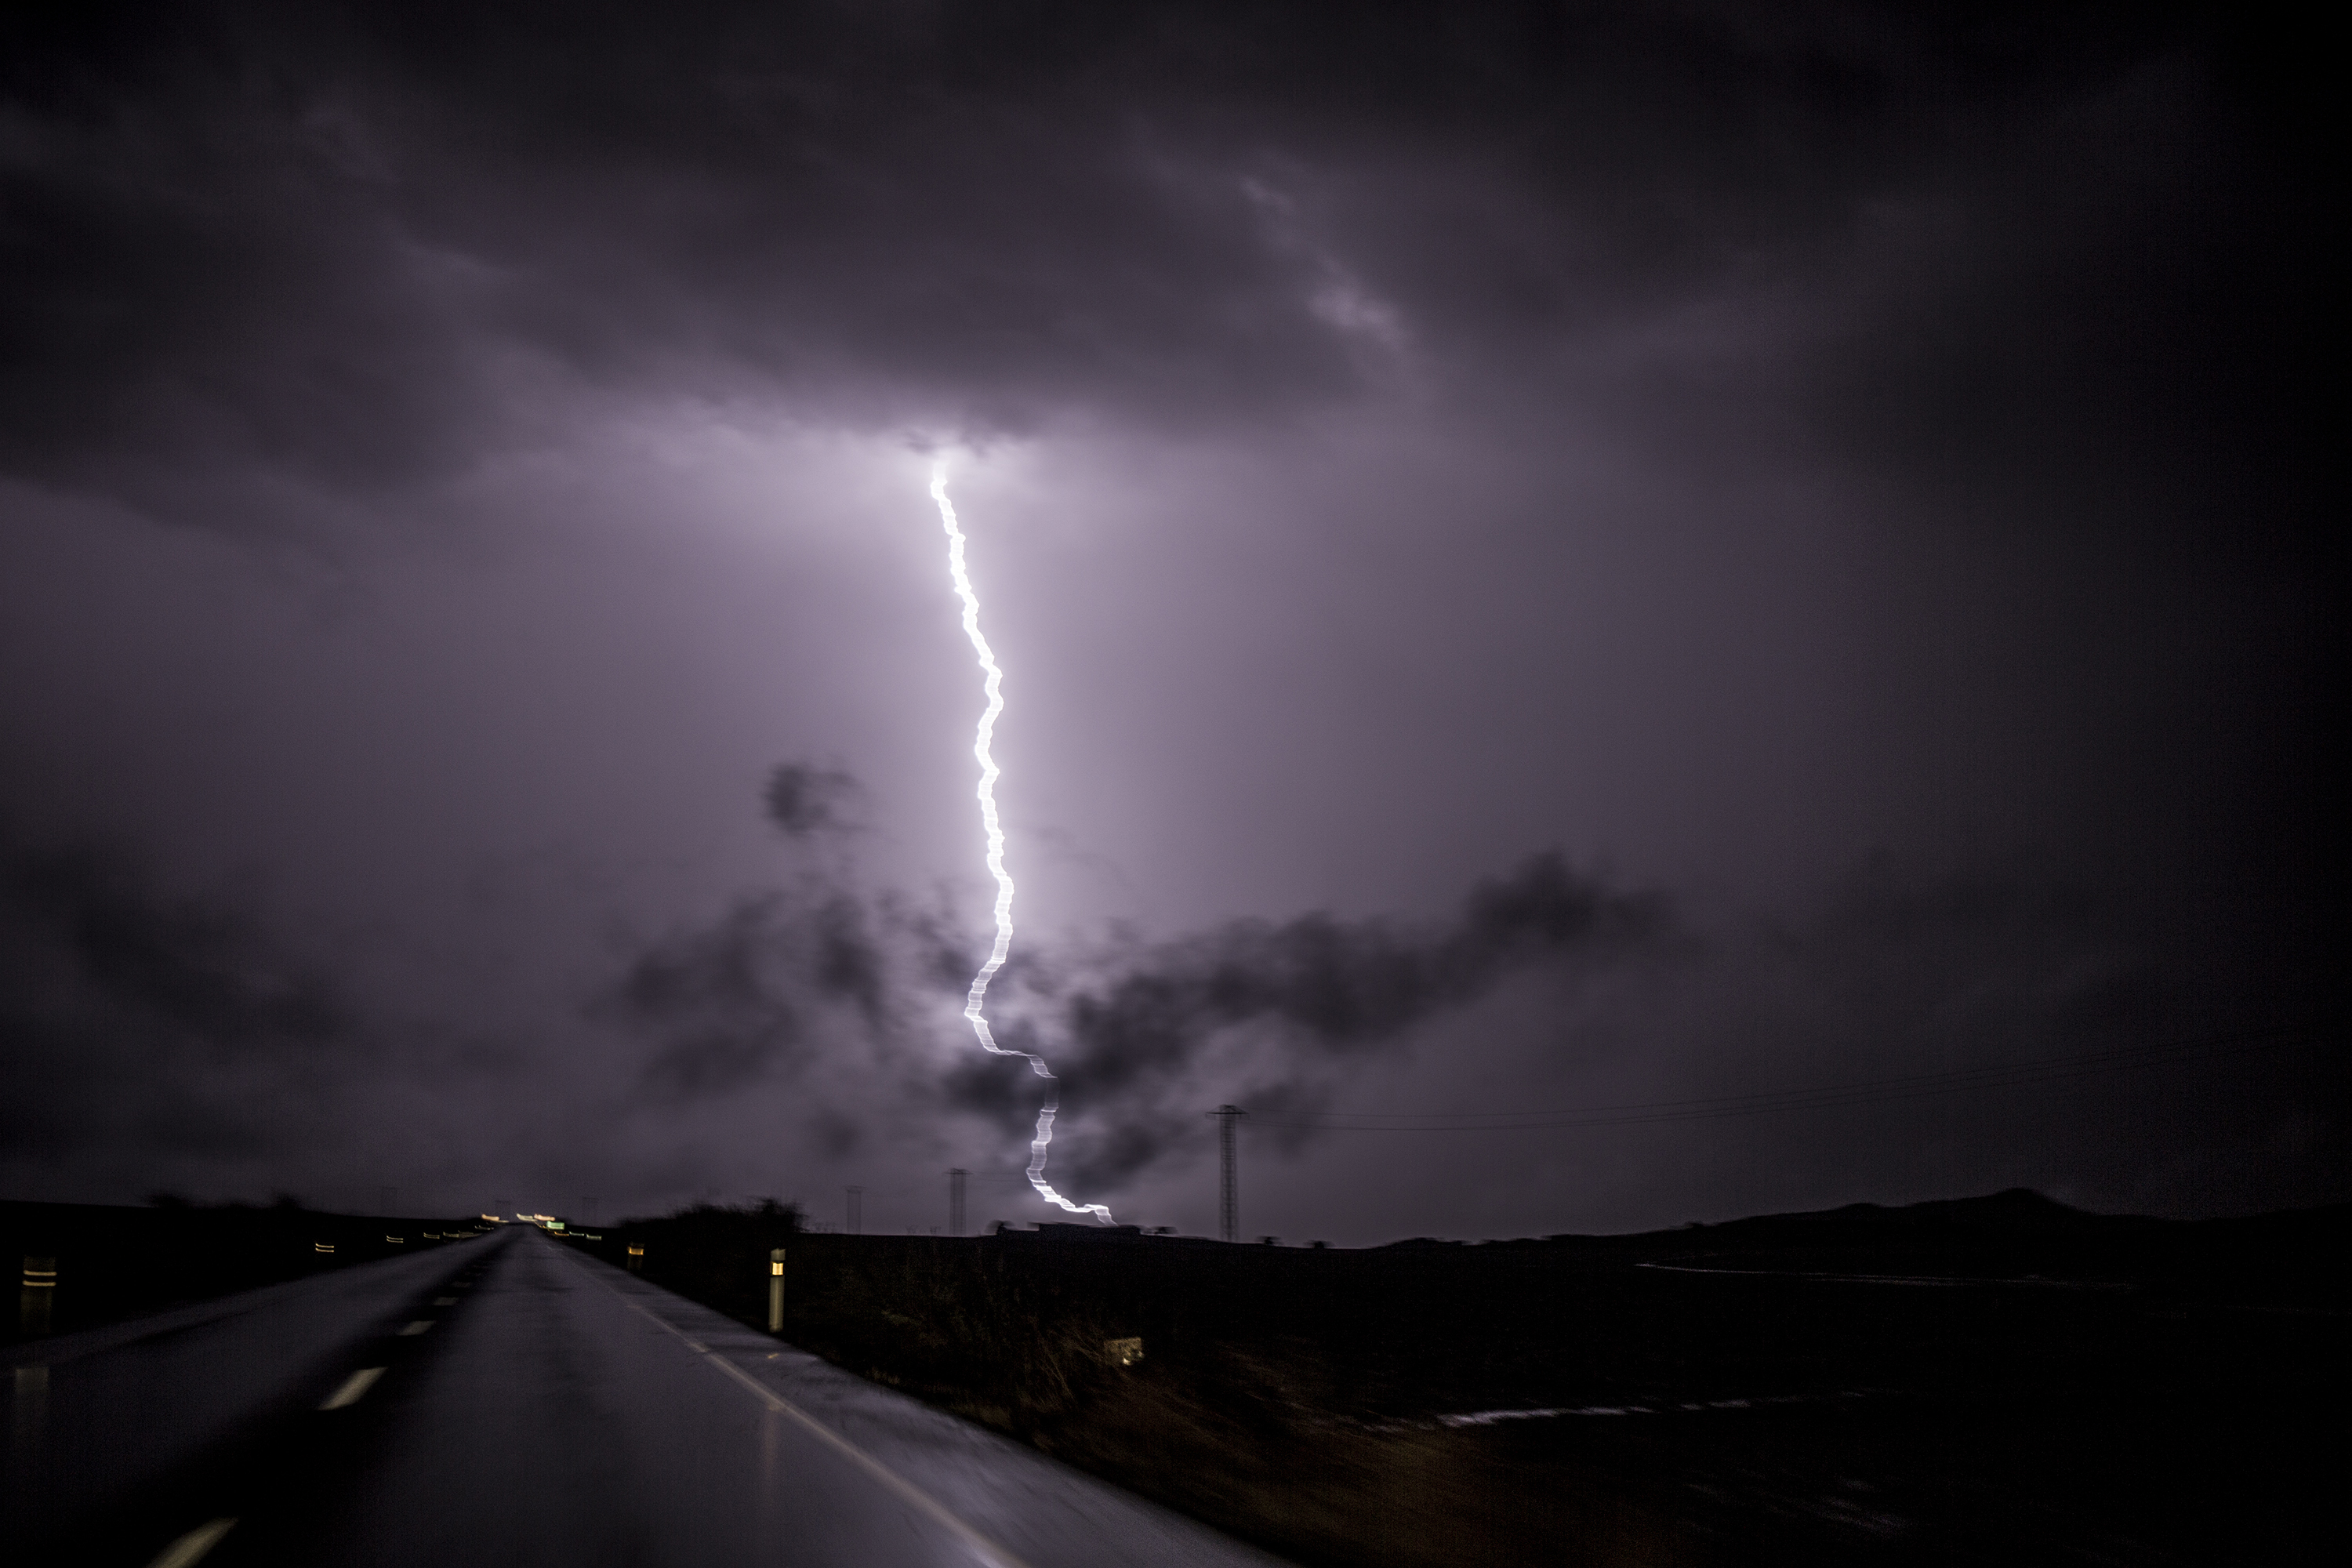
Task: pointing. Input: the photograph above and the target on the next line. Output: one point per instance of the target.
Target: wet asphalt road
(532, 1406)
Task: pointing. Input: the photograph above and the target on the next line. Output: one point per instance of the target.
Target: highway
(508, 1401)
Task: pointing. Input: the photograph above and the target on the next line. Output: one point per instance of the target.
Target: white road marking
(191, 1548)
(358, 1384)
(907, 1492)
(418, 1327)
(445, 1300)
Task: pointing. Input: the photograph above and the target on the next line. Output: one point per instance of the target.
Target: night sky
(1547, 558)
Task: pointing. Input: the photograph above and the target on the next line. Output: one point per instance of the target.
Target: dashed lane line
(421, 1326)
(358, 1384)
(189, 1549)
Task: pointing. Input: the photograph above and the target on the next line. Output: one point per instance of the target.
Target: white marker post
(776, 1291)
(37, 1299)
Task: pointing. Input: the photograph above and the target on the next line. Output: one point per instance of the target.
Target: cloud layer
(1862, 468)
(2030, 246)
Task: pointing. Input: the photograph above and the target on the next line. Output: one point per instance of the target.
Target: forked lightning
(975, 999)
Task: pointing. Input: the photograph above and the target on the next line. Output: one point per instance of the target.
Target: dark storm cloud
(2168, 1066)
(1127, 1033)
(1313, 992)
(753, 993)
(361, 246)
(785, 979)
(130, 1007)
(806, 801)
(194, 966)
(1897, 973)
(271, 233)
(1339, 985)
(2020, 271)
(1897, 966)
(1912, 992)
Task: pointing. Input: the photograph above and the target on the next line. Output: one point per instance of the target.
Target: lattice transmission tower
(1229, 1224)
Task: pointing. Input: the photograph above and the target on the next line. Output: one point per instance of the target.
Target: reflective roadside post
(637, 1258)
(776, 1291)
(37, 1299)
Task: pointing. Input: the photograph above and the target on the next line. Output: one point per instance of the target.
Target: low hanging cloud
(1289, 1007)
(740, 999)
(135, 1017)
(199, 968)
(782, 978)
(806, 801)
(185, 1035)
(849, 1000)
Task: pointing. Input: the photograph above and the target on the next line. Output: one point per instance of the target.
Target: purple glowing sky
(1844, 486)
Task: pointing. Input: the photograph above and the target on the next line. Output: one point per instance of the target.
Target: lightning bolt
(978, 995)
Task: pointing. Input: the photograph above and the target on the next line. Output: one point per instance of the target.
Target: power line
(2050, 1069)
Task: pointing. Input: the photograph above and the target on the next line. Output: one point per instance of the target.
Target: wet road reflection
(509, 1400)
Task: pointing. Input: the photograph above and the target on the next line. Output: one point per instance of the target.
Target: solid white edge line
(907, 1492)
(353, 1387)
(189, 1549)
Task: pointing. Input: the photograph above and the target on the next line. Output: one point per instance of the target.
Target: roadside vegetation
(1796, 1387)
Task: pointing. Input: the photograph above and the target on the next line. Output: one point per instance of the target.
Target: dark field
(114, 1263)
(1997, 1380)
